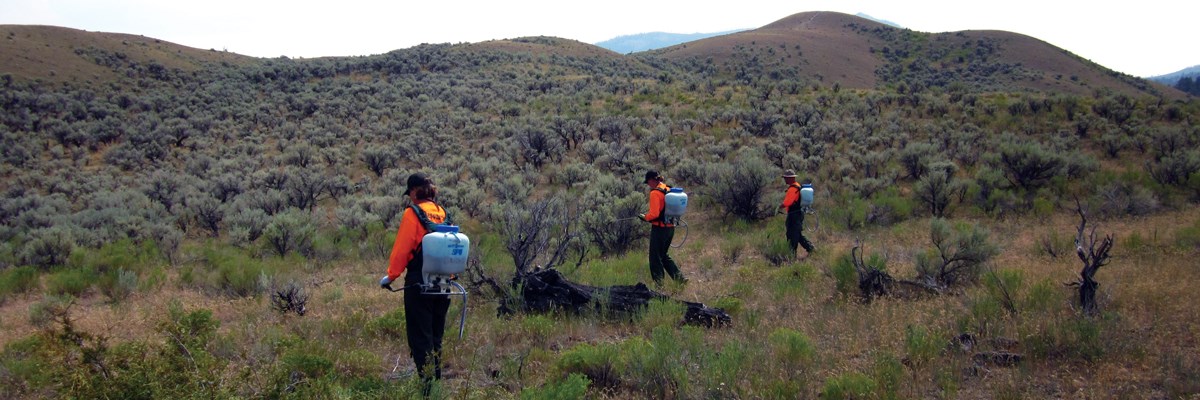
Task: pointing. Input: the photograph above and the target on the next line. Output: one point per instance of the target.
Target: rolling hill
(57, 54)
(825, 48)
(833, 48)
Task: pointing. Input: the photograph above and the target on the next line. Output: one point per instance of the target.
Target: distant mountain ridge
(1174, 77)
(655, 40)
(882, 21)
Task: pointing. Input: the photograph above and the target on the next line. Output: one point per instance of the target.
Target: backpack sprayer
(676, 206)
(806, 196)
(445, 251)
(806, 204)
(676, 200)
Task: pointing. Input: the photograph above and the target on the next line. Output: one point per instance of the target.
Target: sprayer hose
(683, 224)
(462, 320)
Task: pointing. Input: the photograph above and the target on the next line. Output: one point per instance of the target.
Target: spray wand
(679, 222)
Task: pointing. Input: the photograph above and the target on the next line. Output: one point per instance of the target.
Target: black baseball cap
(650, 175)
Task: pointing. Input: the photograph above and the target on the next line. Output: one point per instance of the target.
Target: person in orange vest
(424, 315)
(661, 231)
(795, 214)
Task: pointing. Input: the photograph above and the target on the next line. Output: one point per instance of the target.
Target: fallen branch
(546, 290)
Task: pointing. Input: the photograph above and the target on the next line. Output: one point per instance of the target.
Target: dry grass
(1148, 333)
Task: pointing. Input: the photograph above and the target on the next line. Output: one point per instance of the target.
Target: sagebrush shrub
(958, 255)
(1175, 168)
(246, 225)
(938, 189)
(48, 247)
(292, 231)
(916, 158)
(741, 187)
(1029, 165)
(612, 225)
(1121, 198)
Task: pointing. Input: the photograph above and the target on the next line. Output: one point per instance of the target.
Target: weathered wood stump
(547, 290)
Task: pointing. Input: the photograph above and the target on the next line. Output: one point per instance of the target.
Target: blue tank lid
(676, 190)
(445, 228)
(806, 185)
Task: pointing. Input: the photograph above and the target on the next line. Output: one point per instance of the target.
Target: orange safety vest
(792, 197)
(409, 236)
(658, 205)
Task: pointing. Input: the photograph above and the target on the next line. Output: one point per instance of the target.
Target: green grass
(793, 349)
(73, 281)
(627, 269)
(575, 386)
(18, 280)
(792, 279)
(662, 313)
(1188, 237)
(922, 345)
(850, 385)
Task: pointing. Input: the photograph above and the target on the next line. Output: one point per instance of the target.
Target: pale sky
(1144, 38)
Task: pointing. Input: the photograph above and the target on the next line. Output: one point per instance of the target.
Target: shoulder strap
(425, 221)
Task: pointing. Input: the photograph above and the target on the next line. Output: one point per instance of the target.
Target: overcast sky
(1143, 38)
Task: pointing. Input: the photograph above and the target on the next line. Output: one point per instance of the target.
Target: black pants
(795, 231)
(425, 317)
(660, 243)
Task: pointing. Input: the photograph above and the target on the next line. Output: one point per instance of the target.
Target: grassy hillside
(829, 48)
(56, 54)
(148, 223)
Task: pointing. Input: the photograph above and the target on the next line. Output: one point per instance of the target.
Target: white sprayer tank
(445, 252)
(806, 195)
(676, 203)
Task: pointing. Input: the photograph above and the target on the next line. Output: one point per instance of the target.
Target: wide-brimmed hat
(417, 180)
(789, 173)
(650, 175)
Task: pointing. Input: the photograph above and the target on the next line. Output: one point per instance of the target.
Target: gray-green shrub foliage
(291, 231)
(938, 188)
(1174, 168)
(916, 158)
(47, 247)
(1029, 165)
(958, 255)
(246, 225)
(741, 187)
(611, 223)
